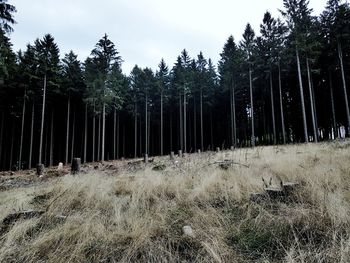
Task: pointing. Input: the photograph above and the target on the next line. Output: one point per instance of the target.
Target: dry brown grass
(138, 216)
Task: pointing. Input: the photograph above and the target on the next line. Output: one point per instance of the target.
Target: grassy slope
(137, 216)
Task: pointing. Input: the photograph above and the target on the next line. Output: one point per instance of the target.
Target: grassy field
(130, 212)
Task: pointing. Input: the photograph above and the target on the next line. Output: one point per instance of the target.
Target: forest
(286, 83)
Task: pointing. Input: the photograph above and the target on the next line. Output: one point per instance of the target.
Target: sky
(143, 31)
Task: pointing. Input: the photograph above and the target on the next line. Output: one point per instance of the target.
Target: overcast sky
(144, 31)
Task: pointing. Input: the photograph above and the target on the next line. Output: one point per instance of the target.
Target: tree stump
(180, 153)
(76, 163)
(199, 151)
(232, 148)
(60, 167)
(40, 169)
(172, 154)
(217, 149)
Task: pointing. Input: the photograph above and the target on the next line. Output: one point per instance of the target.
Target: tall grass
(138, 216)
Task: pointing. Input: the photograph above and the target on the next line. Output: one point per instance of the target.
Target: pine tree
(162, 76)
(6, 16)
(298, 18)
(47, 53)
(248, 45)
(104, 57)
(72, 85)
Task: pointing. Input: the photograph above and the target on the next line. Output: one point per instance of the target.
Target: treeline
(284, 85)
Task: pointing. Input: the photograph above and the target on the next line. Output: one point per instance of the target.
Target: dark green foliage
(253, 95)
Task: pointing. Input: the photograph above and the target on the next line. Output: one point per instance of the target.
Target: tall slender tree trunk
(211, 131)
(123, 140)
(302, 97)
(181, 123)
(85, 132)
(42, 123)
(335, 129)
(148, 133)
(114, 132)
(12, 142)
(31, 138)
(1, 135)
(73, 137)
(103, 131)
(185, 120)
(234, 117)
(340, 54)
(140, 148)
(135, 130)
(118, 136)
(251, 106)
(51, 139)
(99, 138)
(93, 133)
(67, 130)
(312, 102)
(171, 131)
(281, 102)
(231, 111)
(161, 125)
(146, 124)
(46, 131)
(201, 109)
(22, 130)
(273, 110)
(194, 122)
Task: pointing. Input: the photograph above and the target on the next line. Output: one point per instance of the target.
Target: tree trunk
(273, 110)
(51, 139)
(211, 131)
(12, 141)
(234, 115)
(67, 131)
(194, 123)
(117, 136)
(201, 109)
(103, 131)
(335, 129)
(31, 139)
(114, 132)
(340, 54)
(46, 131)
(99, 138)
(140, 136)
(281, 103)
(22, 130)
(171, 131)
(123, 139)
(42, 123)
(231, 115)
(146, 124)
(148, 133)
(312, 102)
(93, 133)
(302, 96)
(181, 123)
(1, 135)
(73, 137)
(161, 125)
(185, 134)
(85, 132)
(135, 130)
(251, 105)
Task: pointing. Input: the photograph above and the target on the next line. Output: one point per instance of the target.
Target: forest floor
(208, 207)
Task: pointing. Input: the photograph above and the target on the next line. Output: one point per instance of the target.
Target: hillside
(126, 211)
